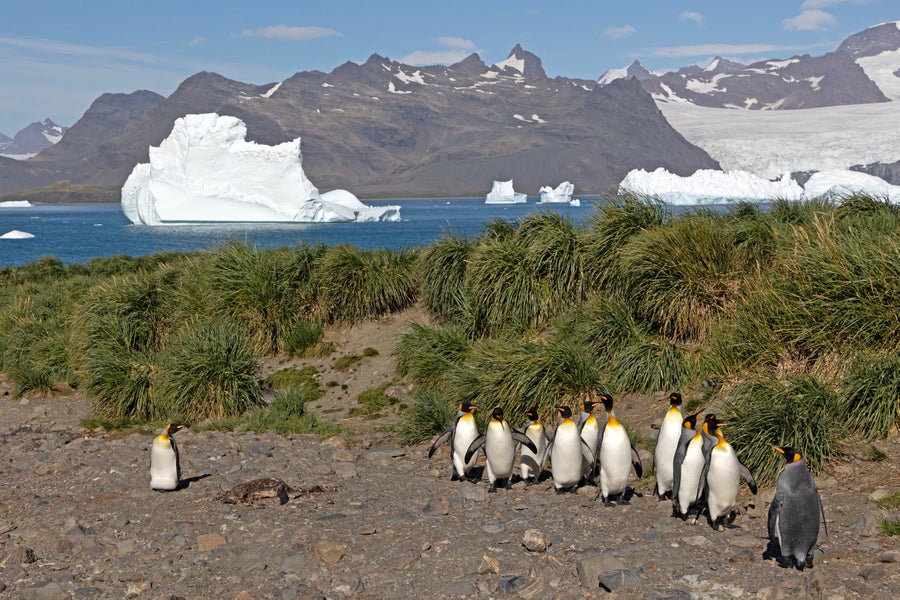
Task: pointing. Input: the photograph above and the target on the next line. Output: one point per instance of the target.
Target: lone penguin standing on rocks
(165, 468)
(794, 513)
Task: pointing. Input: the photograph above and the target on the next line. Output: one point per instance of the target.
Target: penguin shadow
(187, 481)
(624, 498)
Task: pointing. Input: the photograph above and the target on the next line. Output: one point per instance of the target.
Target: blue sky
(58, 56)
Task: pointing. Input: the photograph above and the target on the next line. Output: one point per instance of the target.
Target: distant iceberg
(502, 192)
(206, 171)
(16, 204)
(839, 183)
(15, 234)
(562, 193)
(708, 186)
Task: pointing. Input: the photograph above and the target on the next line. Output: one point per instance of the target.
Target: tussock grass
(442, 266)
(427, 355)
(353, 285)
(800, 411)
(210, 371)
(870, 396)
(428, 416)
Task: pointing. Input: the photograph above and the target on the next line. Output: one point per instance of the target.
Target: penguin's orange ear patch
(796, 457)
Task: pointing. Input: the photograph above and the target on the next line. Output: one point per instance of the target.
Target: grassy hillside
(786, 322)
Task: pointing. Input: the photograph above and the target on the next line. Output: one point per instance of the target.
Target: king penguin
(590, 433)
(531, 464)
(165, 468)
(723, 474)
(461, 433)
(617, 455)
(794, 513)
(499, 443)
(687, 468)
(567, 452)
(666, 443)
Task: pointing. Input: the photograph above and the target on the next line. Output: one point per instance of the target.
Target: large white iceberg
(15, 234)
(206, 171)
(708, 186)
(502, 192)
(562, 193)
(15, 204)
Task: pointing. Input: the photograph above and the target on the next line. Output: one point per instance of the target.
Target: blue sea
(79, 233)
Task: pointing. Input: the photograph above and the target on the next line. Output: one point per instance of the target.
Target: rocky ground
(367, 518)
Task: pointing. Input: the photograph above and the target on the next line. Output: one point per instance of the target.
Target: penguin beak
(777, 449)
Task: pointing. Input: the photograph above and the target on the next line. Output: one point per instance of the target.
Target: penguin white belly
(664, 454)
(500, 451)
(466, 432)
(615, 461)
(691, 469)
(163, 467)
(565, 457)
(590, 433)
(723, 479)
(532, 463)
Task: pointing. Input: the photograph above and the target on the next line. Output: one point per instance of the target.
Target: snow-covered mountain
(32, 139)
(864, 69)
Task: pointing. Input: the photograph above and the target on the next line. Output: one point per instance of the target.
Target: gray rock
(459, 589)
(613, 580)
(535, 541)
(591, 566)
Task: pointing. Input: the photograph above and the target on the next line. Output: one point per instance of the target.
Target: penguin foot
(492, 489)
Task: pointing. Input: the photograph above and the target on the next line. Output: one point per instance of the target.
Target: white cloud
(455, 42)
(197, 41)
(619, 32)
(287, 32)
(810, 20)
(690, 15)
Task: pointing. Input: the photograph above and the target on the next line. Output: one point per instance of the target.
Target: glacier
(502, 192)
(709, 186)
(206, 171)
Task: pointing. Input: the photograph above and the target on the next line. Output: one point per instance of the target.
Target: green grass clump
(210, 372)
(303, 338)
(304, 379)
(371, 402)
(353, 285)
(890, 502)
(286, 415)
(870, 396)
(429, 415)
(442, 266)
(800, 412)
(429, 355)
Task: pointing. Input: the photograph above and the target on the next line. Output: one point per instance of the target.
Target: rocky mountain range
(386, 129)
(863, 69)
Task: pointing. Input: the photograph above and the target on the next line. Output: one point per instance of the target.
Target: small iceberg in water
(16, 204)
(15, 234)
(502, 192)
(561, 195)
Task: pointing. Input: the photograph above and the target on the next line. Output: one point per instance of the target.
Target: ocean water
(79, 233)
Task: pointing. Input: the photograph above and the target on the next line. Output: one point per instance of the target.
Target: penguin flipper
(587, 455)
(745, 473)
(474, 446)
(443, 438)
(636, 463)
(523, 439)
(774, 507)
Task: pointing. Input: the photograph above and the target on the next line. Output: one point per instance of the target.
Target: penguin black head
(791, 454)
(532, 414)
(674, 399)
(565, 412)
(467, 407)
(607, 401)
(690, 421)
(171, 428)
(497, 414)
(589, 405)
(710, 423)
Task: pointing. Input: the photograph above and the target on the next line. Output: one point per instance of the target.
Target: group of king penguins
(695, 467)
(578, 450)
